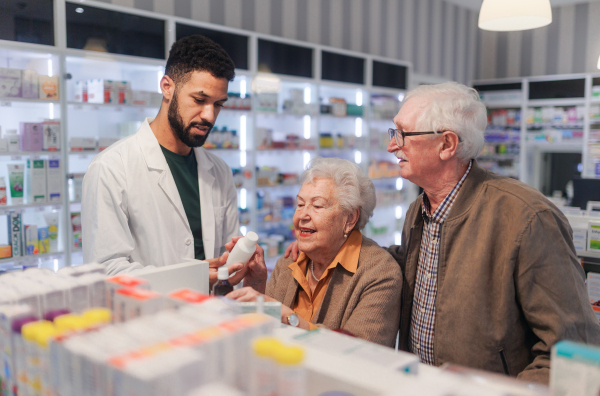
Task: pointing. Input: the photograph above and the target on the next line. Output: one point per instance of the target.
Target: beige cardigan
(366, 303)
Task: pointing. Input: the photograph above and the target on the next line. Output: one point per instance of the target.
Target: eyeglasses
(399, 135)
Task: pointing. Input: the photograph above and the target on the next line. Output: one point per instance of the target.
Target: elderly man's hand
(255, 272)
(293, 249)
(215, 263)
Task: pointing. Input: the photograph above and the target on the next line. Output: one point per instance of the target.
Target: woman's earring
(345, 235)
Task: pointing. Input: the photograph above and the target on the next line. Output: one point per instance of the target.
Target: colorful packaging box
(5, 251)
(43, 240)
(593, 236)
(101, 91)
(51, 131)
(31, 137)
(54, 179)
(30, 84)
(76, 224)
(31, 240)
(15, 232)
(81, 93)
(48, 87)
(10, 83)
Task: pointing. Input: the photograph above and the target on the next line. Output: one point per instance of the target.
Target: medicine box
(101, 91)
(13, 141)
(48, 87)
(119, 282)
(81, 94)
(10, 83)
(36, 180)
(53, 180)
(30, 84)
(104, 142)
(132, 303)
(83, 144)
(580, 237)
(15, 232)
(51, 132)
(31, 136)
(593, 236)
(31, 240)
(575, 369)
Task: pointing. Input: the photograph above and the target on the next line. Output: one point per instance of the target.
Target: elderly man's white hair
(354, 189)
(453, 107)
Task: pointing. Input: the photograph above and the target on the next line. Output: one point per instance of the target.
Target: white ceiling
(476, 4)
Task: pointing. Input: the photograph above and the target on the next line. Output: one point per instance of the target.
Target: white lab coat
(132, 214)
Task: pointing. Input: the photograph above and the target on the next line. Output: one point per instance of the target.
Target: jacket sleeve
(106, 235)
(376, 317)
(550, 288)
(231, 227)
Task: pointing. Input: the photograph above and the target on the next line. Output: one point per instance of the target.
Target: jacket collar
(471, 189)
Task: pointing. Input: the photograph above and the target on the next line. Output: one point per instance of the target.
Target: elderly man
(491, 279)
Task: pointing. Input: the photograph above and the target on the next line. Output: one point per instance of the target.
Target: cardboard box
(101, 91)
(48, 87)
(83, 144)
(119, 282)
(10, 83)
(36, 181)
(132, 303)
(13, 141)
(31, 136)
(5, 251)
(593, 236)
(30, 84)
(75, 186)
(104, 142)
(54, 179)
(123, 92)
(575, 369)
(15, 232)
(51, 135)
(81, 93)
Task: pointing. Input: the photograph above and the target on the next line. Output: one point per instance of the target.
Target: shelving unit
(295, 119)
(554, 114)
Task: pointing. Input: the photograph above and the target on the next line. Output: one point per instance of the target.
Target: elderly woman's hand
(255, 272)
(247, 294)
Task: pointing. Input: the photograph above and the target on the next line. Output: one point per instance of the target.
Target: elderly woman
(341, 280)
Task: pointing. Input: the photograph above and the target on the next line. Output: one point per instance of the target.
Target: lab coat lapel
(205, 182)
(155, 160)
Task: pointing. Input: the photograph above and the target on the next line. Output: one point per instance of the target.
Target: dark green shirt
(185, 172)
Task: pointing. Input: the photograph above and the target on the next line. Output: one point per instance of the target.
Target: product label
(594, 236)
(15, 233)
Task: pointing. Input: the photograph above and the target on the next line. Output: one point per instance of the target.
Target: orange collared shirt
(307, 303)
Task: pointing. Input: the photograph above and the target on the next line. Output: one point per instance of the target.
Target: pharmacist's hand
(293, 249)
(229, 245)
(247, 294)
(256, 271)
(214, 264)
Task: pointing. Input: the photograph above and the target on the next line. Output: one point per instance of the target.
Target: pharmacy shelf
(115, 106)
(588, 254)
(5, 101)
(15, 155)
(24, 260)
(41, 206)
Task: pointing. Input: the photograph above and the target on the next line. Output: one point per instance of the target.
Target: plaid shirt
(423, 310)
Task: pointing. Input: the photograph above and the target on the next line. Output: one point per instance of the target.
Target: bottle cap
(289, 356)
(97, 316)
(250, 239)
(266, 346)
(69, 322)
(30, 330)
(223, 273)
(44, 335)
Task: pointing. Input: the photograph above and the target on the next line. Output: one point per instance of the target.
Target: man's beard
(184, 132)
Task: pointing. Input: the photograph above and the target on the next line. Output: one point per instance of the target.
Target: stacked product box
(16, 83)
(30, 239)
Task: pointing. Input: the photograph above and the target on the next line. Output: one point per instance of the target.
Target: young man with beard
(157, 197)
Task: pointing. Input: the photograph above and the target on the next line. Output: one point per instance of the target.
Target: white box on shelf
(580, 238)
(593, 236)
(81, 94)
(51, 130)
(104, 142)
(100, 91)
(83, 144)
(36, 180)
(140, 98)
(575, 369)
(30, 84)
(75, 186)
(191, 274)
(10, 83)
(13, 140)
(54, 179)
(3, 145)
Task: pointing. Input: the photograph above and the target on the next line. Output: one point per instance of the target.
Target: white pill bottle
(243, 249)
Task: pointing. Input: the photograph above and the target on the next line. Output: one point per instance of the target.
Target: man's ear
(449, 145)
(167, 86)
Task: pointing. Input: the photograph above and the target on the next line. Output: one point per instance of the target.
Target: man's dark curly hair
(198, 53)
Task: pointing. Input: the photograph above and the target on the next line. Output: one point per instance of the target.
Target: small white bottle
(243, 249)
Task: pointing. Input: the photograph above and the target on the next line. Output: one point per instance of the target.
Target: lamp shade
(511, 15)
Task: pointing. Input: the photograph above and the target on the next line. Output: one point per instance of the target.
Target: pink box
(31, 136)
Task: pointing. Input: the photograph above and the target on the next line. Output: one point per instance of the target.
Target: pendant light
(511, 15)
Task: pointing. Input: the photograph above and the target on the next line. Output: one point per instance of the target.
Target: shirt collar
(442, 211)
(347, 256)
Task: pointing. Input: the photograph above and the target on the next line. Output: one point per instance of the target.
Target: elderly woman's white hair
(354, 189)
(453, 107)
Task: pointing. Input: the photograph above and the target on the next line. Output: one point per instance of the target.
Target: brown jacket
(509, 283)
(366, 303)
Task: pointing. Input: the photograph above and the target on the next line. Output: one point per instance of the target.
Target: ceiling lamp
(511, 15)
